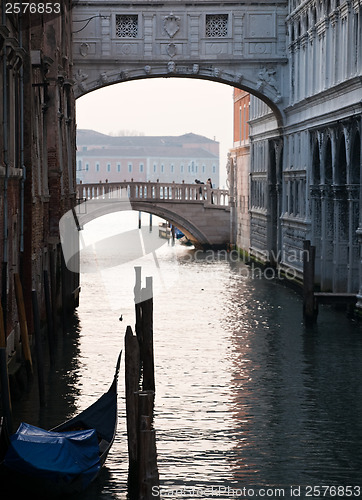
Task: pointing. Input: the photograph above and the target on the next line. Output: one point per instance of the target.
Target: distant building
(187, 157)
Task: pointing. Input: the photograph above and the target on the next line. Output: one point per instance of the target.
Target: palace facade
(304, 181)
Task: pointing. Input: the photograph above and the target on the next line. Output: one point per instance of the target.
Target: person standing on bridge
(197, 181)
(209, 183)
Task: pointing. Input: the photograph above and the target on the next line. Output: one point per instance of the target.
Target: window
(108, 167)
(87, 166)
(127, 26)
(203, 169)
(216, 25)
(162, 168)
(172, 169)
(182, 169)
(214, 169)
(79, 165)
(118, 167)
(97, 167)
(141, 167)
(130, 167)
(154, 167)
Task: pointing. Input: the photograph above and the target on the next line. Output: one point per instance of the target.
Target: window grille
(216, 25)
(127, 26)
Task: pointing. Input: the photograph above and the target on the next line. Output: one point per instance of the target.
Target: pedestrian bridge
(202, 213)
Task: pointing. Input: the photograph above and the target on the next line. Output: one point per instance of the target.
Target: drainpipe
(4, 265)
(22, 166)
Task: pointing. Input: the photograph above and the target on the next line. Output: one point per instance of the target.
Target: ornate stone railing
(155, 192)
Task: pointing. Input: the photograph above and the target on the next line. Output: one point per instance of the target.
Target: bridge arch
(205, 219)
(234, 45)
(194, 234)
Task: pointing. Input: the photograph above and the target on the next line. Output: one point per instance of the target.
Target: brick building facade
(37, 157)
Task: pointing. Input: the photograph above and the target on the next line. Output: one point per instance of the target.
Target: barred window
(126, 26)
(216, 25)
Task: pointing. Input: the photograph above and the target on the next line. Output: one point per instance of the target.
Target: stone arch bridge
(242, 44)
(202, 213)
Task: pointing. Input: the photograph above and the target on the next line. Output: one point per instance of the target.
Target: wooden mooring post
(49, 315)
(310, 310)
(23, 324)
(132, 374)
(143, 471)
(38, 348)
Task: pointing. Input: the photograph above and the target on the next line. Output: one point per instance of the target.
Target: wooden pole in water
(138, 308)
(48, 308)
(309, 306)
(147, 454)
(147, 327)
(132, 374)
(23, 324)
(38, 348)
(5, 389)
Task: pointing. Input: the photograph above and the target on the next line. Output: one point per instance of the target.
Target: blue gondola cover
(59, 457)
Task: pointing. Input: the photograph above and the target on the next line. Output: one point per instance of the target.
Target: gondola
(65, 459)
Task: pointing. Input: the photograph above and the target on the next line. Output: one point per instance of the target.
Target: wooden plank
(335, 298)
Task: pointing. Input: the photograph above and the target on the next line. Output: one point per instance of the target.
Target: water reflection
(246, 395)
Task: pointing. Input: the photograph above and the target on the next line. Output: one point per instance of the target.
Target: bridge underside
(205, 226)
(228, 43)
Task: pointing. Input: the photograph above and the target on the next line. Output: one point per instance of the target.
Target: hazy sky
(162, 106)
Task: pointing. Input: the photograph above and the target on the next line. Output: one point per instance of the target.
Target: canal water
(249, 402)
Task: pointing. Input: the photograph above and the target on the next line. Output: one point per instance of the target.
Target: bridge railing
(155, 191)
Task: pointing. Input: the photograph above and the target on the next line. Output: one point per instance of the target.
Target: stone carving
(124, 74)
(171, 49)
(126, 49)
(195, 69)
(171, 67)
(216, 72)
(147, 69)
(171, 24)
(103, 78)
(80, 78)
(267, 77)
(84, 49)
